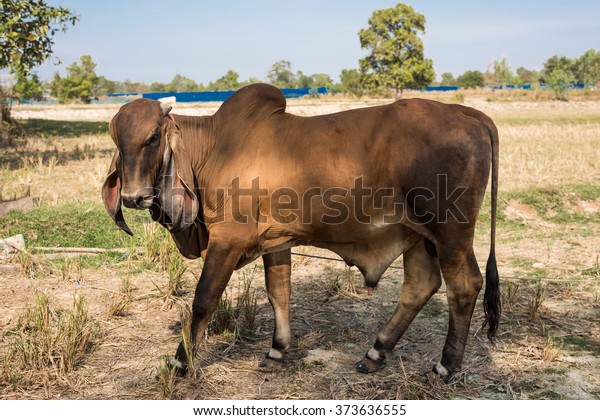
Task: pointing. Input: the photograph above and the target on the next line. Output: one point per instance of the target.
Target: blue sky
(148, 40)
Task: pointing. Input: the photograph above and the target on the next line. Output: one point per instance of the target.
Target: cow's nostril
(143, 201)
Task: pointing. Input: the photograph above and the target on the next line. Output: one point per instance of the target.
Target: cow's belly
(372, 251)
(374, 255)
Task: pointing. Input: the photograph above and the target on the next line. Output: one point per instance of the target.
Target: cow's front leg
(221, 259)
(278, 268)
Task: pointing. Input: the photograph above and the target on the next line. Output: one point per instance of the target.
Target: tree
(27, 30)
(227, 82)
(251, 80)
(558, 75)
(303, 81)
(559, 80)
(80, 84)
(587, 67)
(501, 73)
(105, 86)
(395, 57)
(157, 87)
(128, 86)
(350, 82)
(181, 83)
(28, 88)
(281, 74)
(527, 76)
(321, 80)
(470, 79)
(553, 63)
(448, 79)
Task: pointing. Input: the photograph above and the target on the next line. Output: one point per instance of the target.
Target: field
(100, 326)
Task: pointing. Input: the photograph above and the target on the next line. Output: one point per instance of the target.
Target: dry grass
(548, 346)
(549, 154)
(50, 339)
(535, 302)
(237, 309)
(118, 302)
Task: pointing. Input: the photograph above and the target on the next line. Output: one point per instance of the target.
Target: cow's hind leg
(277, 277)
(463, 281)
(422, 279)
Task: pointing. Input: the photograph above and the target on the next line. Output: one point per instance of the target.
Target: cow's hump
(256, 100)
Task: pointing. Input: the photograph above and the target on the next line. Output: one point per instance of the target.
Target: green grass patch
(555, 371)
(554, 203)
(71, 226)
(557, 204)
(581, 344)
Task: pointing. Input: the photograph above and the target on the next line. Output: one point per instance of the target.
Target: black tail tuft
(492, 304)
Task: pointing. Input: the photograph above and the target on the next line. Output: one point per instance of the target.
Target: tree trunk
(2, 111)
(399, 92)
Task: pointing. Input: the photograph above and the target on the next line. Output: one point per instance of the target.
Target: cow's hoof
(439, 372)
(179, 368)
(367, 365)
(270, 364)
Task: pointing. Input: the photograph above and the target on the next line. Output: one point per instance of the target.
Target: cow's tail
(492, 305)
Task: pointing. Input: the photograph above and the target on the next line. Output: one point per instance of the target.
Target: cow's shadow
(332, 333)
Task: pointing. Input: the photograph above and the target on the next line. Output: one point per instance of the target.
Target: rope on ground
(299, 254)
(396, 267)
(538, 279)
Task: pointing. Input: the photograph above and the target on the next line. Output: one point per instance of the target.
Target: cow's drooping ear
(183, 176)
(111, 195)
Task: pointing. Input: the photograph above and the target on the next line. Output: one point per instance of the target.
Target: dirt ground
(332, 329)
(548, 345)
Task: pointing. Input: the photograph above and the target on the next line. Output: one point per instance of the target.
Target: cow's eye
(153, 139)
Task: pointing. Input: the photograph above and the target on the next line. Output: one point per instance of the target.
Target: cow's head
(150, 168)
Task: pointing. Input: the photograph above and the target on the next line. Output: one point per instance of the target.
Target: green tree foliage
(281, 74)
(181, 83)
(251, 80)
(587, 67)
(157, 87)
(350, 82)
(527, 76)
(303, 81)
(105, 86)
(28, 88)
(80, 85)
(558, 75)
(395, 57)
(27, 29)
(448, 79)
(227, 82)
(321, 80)
(556, 63)
(500, 73)
(470, 79)
(559, 80)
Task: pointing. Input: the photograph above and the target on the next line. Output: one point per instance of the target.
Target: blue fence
(441, 88)
(220, 96)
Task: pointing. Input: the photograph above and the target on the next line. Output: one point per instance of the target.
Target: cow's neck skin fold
(197, 134)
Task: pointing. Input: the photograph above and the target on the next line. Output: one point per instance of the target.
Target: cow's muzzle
(142, 200)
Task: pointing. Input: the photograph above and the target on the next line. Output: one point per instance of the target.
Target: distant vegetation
(395, 62)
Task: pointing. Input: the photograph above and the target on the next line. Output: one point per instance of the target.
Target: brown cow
(368, 184)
